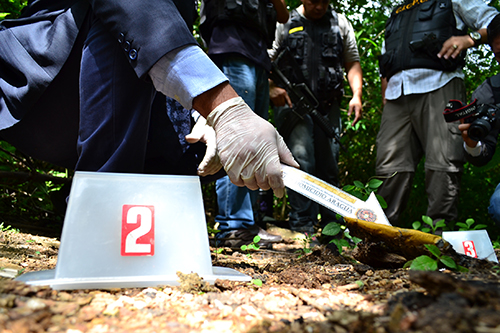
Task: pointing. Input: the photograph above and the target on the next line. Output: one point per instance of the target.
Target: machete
(332, 197)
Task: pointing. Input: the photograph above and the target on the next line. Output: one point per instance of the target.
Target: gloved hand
(206, 134)
(249, 147)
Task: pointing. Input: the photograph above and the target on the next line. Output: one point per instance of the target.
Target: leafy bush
(11, 8)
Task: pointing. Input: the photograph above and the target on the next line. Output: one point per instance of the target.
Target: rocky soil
(320, 291)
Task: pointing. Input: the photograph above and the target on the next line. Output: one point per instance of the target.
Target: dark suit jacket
(34, 48)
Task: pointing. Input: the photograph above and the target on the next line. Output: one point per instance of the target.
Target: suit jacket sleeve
(146, 29)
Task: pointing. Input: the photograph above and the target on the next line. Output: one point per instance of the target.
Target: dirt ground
(320, 291)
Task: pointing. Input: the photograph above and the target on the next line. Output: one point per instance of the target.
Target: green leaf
(381, 201)
(424, 263)
(433, 249)
(348, 188)
(375, 183)
(359, 184)
(253, 246)
(427, 220)
(257, 282)
(358, 194)
(440, 224)
(416, 225)
(462, 225)
(469, 222)
(408, 264)
(448, 262)
(356, 240)
(256, 239)
(338, 244)
(343, 242)
(331, 229)
(480, 226)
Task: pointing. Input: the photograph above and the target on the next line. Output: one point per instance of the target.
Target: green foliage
(252, 246)
(8, 228)
(256, 282)
(468, 225)
(24, 198)
(333, 229)
(417, 225)
(306, 243)
(212, 231)
(426, 263)
(11, 8)
(363, 191)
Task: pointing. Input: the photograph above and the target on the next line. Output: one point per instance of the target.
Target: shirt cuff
(474, 151)
(185, 73)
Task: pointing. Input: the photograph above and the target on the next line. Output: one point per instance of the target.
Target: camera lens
(479, 129)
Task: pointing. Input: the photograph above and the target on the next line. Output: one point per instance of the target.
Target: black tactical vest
(259, 15)
(415, 34)
(317, 49)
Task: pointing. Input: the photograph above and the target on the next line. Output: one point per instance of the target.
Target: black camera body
(486, 119)
(482, 117)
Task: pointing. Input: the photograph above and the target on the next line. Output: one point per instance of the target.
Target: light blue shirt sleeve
(185, 73)
(475, 14)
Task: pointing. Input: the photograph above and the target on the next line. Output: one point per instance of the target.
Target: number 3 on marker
(469, 249)
(138, 230)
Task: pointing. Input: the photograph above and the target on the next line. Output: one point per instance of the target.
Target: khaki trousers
(413, 126)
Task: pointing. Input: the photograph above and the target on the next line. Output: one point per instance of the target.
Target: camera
(482, 123)
(482, 117)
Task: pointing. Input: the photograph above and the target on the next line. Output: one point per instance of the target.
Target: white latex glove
(206, 134)
(249, 147)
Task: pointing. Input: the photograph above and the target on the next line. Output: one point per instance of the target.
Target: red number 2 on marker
(137, 230)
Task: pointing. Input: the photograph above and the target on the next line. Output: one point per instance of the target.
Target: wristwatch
(476, 37)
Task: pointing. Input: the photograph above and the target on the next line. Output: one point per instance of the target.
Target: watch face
(476, 36)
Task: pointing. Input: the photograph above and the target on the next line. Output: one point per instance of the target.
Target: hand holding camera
(464, 128)
(477, 119)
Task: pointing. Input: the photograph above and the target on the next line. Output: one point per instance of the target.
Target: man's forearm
(355, 78)
(281, 11)
(212, 98)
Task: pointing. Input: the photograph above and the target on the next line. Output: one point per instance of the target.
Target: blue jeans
(317, 155)
(250, 82)
(494, 208)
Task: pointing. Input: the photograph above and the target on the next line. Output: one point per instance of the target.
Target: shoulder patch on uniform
(296, 29)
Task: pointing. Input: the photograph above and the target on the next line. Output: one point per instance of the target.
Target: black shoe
(239, 237)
